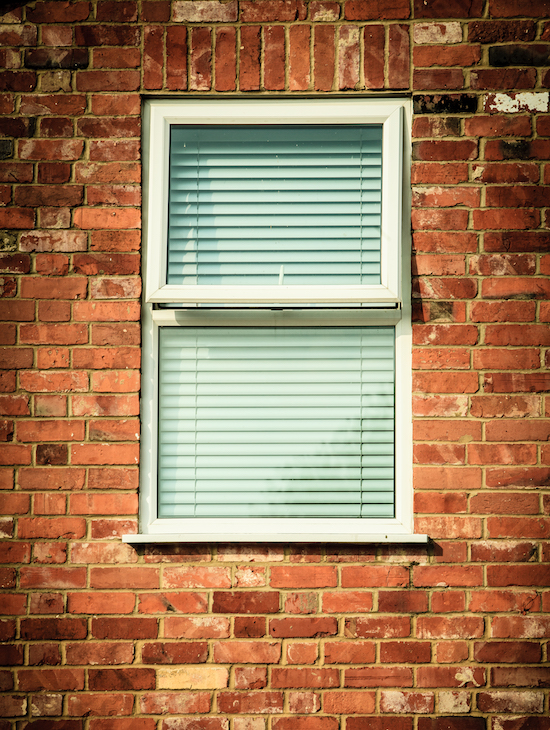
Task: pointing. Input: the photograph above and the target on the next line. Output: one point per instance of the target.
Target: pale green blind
(275, 204)
(276, 422)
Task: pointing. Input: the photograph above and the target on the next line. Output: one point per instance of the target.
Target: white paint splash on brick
(454, 702)
(466, 675)
(527, 101)
(437, 33)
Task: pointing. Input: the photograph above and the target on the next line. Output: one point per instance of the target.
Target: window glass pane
(276, 422)
(275, 204)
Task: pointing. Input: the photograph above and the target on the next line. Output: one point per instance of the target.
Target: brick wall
(101, 636)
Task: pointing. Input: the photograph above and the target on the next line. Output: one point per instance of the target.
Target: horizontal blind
(276, 422)
(275, 204)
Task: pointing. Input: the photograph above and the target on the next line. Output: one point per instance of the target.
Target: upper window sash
(159, 116)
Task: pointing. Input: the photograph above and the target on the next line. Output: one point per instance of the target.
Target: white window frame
(385, 304)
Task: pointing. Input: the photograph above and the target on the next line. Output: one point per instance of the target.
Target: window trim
(160, 115)
(392, 308)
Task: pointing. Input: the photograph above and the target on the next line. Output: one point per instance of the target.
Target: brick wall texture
(98, 635)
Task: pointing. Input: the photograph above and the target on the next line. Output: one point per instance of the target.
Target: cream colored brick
(192, 678)
(437, 33)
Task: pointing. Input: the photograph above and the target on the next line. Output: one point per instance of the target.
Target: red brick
(283, 677)
(121, 679)
(429, 576)
(305, 723)
(374, 40)
(374, 576)
(521, 676)
(249, 602)
(506, 173)
(299, 68)
(174, 653)
(403, 702)
(345, 652)
(517, 149)
(502, 311)
(226, 59)
(250, 702)
(446, 382)
(457, 55)
(449, 652)
(446, 219)
(99, 704)
(448, 602)
(435, 126)
(303, 627)
(347, 602)
(445, 150)
(38, 680)
(113, 104)
(106, 311)
(118, 12)
(105, 504)
(115, 381)
(247, 652)
(131, 723)
(434, 627)
(53, 628)
(103, 478)
(513, 8)
(377, 10)
(438, 79)
(450, 676)
(324, 56)
(50, 431)
(518, 477)
(349, 703)
(249, 57)
(49, 504)
(18, 35)
(176, 51)
(160, 703)
(124, 628)
(106, 405)
(250, 677)
(18, 552)
(250, 627)
(436, 173)
(445, 197)
(510, 78)
(405, 652)
(102, 529)
(267, 11)
(176, 627)
(445, 526)
(200, 69)
(508, 652)
(303, 576)
(515, 288)
(127, 577)
(491, 359)
(196, 577)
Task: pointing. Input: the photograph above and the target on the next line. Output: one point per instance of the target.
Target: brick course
(96, 635)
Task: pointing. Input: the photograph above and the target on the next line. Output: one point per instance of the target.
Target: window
(276, 377)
